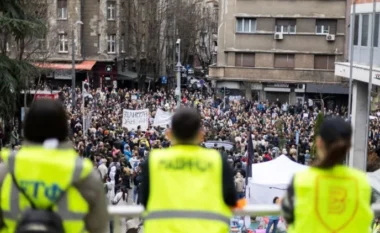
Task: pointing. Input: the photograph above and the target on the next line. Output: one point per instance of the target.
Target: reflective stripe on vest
(187, 214)
(62, 205)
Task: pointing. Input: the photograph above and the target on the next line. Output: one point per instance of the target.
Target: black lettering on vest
(203, 166)
(185, 164)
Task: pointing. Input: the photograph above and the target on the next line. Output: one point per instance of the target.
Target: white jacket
(112, 174)
(111, 193)
(103, 170)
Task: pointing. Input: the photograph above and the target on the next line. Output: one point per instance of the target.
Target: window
(62, 9)
(246, 25)
(284, 60)
(324, 62)
(122, 43)
(245, 59)
(111, 10)
(325, 26)
(377, 31)
(356, 30)
(63, 43)
(365, 30)
(286, 26)
(111, 43)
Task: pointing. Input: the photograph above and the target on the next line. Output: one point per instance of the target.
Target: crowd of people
(273, 125)
(276, 128)
(118, 152)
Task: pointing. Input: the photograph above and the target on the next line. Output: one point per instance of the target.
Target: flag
(249, 159)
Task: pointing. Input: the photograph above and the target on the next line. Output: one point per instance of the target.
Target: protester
(273, 220)
(240, 185)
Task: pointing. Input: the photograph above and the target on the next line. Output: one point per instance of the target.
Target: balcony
(272, 75)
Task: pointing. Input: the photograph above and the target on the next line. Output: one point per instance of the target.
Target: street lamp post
(73, 81)
(179, 67)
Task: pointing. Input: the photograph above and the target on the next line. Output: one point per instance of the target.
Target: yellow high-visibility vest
(44, 174)
(186, 192)
(331, 200)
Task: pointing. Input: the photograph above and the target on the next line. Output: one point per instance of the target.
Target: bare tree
(134, 10)
(207, 24)
(157, 23)
(187, 17)
(148, 33)
(154, 26)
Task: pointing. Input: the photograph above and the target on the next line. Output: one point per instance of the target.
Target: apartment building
(280, 49)
(98, 29)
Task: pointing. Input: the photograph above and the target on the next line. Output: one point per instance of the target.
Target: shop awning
(84, 65)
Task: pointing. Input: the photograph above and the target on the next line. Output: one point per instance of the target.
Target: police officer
(46, 169)
(187, 188)
(329, 197)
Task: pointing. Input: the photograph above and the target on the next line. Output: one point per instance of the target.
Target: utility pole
(179, 67)
(372, 40)
(73, 77)
(73, 68)
(174, 36)
(351, 51)
(224, 97)
(351, 57)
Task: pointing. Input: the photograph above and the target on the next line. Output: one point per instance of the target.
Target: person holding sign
(187, 182)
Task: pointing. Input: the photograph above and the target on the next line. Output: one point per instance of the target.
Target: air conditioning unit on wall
(330, 37)
(278, 36)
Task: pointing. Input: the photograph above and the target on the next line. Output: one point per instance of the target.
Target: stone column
(357, 157)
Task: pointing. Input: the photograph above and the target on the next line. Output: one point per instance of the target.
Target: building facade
(362, 33)
(365, 29)
(98, 29)
(280, 49)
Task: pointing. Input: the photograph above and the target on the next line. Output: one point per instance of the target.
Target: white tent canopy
(275, 172)
(270, 179)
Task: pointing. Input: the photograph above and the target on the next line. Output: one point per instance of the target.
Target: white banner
(162, 118)
(134, 118)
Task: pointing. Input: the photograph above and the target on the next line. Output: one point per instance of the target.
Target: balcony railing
(118, 212)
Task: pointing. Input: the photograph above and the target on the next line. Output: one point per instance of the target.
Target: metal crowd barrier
(117, 212)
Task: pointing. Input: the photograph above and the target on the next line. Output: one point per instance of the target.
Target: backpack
(35, 220)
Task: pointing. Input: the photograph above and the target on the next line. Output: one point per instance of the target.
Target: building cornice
(281, 51)
(297, 16)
